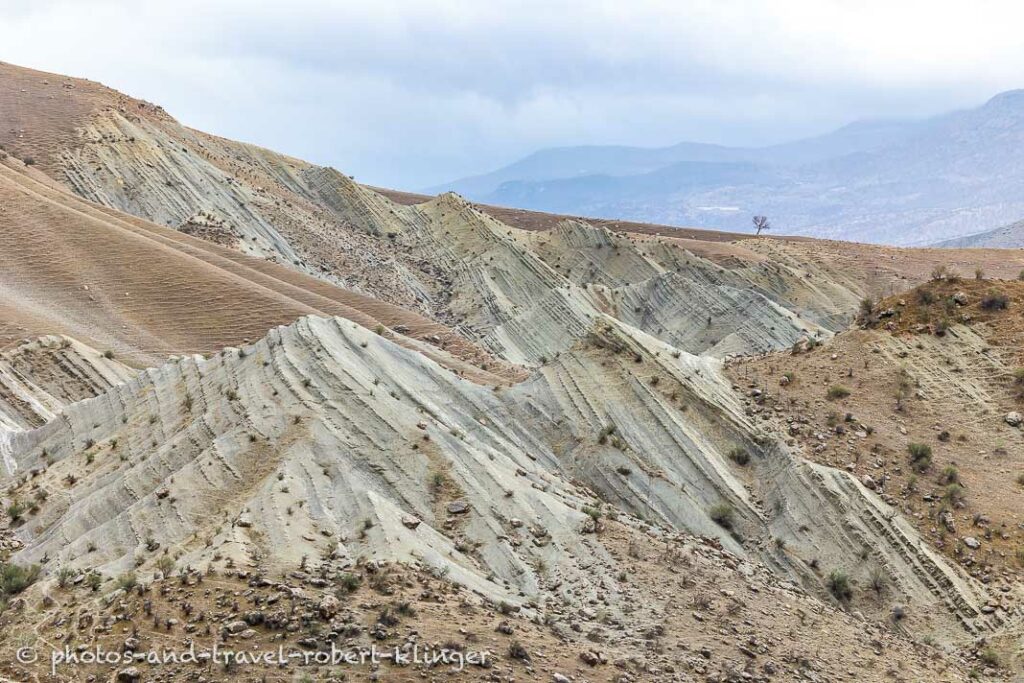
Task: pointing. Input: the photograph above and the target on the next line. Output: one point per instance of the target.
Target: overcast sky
(409, 94)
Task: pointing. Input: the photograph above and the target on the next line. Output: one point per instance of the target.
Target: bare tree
(761, 223)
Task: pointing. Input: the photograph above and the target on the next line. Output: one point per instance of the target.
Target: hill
(245, 400)
(1006, 237)
(904, 183)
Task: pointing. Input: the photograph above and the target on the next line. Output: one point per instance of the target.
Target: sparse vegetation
(995, 301)
(836, 392)
(349, 582)
(127, 581)
(839, 586)
(739, 455)
(920, 456)
(15, 578)
(15, 511)
(866, 308)
(723, 515)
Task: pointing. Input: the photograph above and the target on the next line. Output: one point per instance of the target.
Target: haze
(409, 95)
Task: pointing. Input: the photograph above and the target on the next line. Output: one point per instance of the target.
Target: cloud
(412, 93)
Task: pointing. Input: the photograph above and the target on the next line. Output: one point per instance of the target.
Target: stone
(1014, 419)
(458, 507)
(236, 626)
(329, 606)
(971, 542)
(129, 675)
(410, 522)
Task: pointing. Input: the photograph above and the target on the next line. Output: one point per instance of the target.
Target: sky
(412, 94)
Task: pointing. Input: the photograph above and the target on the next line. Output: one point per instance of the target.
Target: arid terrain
(247, 401)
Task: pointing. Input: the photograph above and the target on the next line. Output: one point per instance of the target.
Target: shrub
(349, 582)
(165, 565)
(953, 494)
(925, 297)
(108, 354)
(14, 578)
(64, 575)
(839, 586)
(950, 475)
(878, 581)
(920, 456)
(127, 581)
(602, 437)
(995, 301)
(866, 306)
(516, 650)
(837, 392)
(15, 510)
(979, 273)
(740, 456)
(919, 450)
(723, 515)
(989, 657)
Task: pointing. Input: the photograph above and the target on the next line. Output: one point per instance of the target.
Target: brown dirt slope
(694, 619)
(936, 370)
(116, 282)
(40, 112)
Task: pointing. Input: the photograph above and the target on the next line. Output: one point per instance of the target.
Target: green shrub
(839, 586)
(723, 515)
(990, 657)
(14, 578)
(920, 456)
(919, 450)
(995, 301)
(15, 510)
(740, 456)
(349, 582)
(64, 575)
(837, 392)
(127, 581)
(953, 494)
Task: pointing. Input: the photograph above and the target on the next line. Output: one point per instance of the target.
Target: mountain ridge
(897, 182)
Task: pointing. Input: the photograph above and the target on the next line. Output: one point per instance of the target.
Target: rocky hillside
(302, 412)
(481, 271)
(1006, 237)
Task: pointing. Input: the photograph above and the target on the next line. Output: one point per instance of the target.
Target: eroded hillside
(287, 408)
(497, 276)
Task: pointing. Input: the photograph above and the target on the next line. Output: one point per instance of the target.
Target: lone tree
(761, 223)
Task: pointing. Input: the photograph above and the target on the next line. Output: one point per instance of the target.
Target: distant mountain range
(899, 182)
